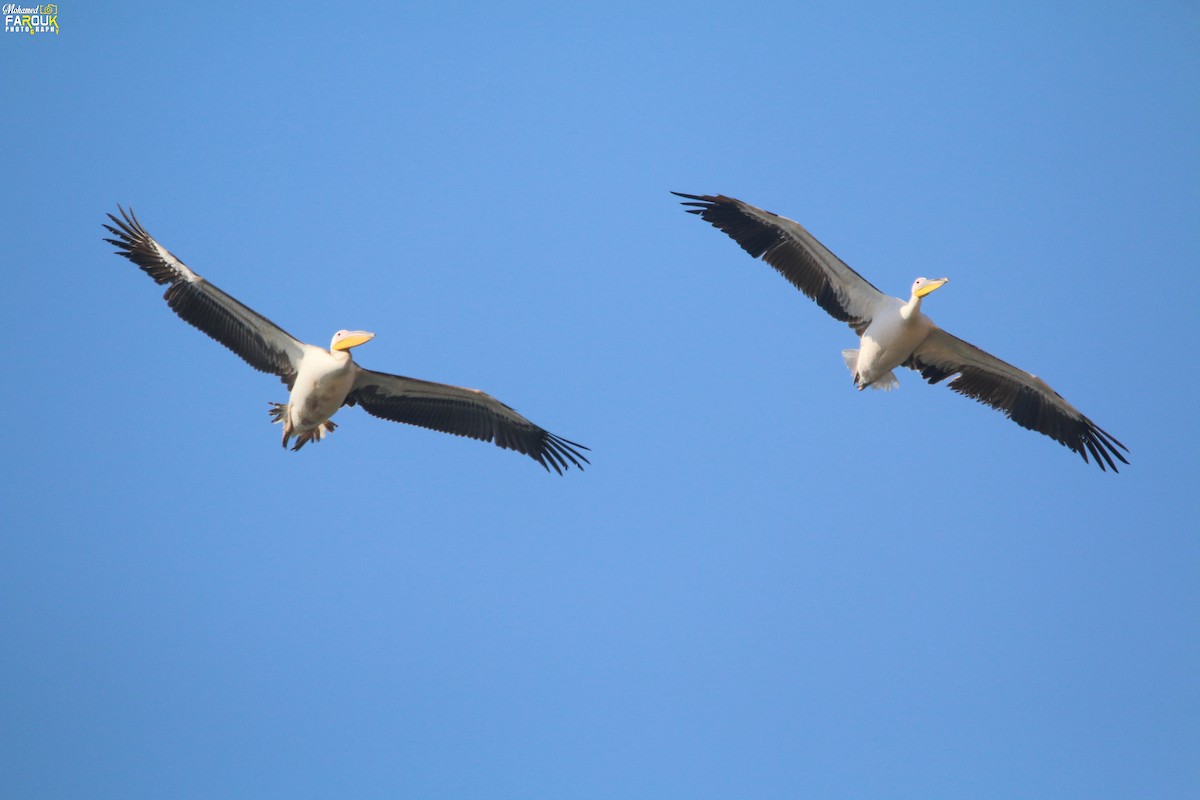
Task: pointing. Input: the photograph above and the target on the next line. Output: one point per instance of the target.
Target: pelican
(322, 381)
(894, 333)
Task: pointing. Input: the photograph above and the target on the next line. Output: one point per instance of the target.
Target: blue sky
(767, 585)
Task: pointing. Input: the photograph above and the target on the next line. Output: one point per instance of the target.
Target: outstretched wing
(796, 253)
(462, 412)
(1024, 398)
(261, 343)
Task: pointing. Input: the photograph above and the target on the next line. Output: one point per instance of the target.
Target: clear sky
(767, 584)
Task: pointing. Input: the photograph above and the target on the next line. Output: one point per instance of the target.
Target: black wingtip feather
(135, 244)
(766, 239)
(467, 417)
(1029, 409)
(201, 304)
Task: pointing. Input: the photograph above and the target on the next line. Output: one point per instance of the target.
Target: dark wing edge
(259, 342)
(462, 412)
(794, 252)
(1022, 397)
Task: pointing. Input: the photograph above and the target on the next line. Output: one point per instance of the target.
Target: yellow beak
(930, 286)
(344, 341)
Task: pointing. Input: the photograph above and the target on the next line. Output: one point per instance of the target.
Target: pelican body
(325, 380)
(321, 381)
(895, 333)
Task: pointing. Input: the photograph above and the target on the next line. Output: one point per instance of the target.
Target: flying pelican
(894, 333)
(322, 381)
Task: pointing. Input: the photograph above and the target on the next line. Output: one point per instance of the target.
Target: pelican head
(923, 286)
(344, 340)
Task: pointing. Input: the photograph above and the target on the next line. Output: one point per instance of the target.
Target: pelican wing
(799, 257)
(462, 412)
(261, 343)
(1024, 398)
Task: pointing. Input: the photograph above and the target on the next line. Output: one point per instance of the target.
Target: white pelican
(322, 381)
(894, 333)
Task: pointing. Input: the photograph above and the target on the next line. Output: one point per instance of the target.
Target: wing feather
(462, 412)
(261, 343)
(1022, 397)
(797, 255)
